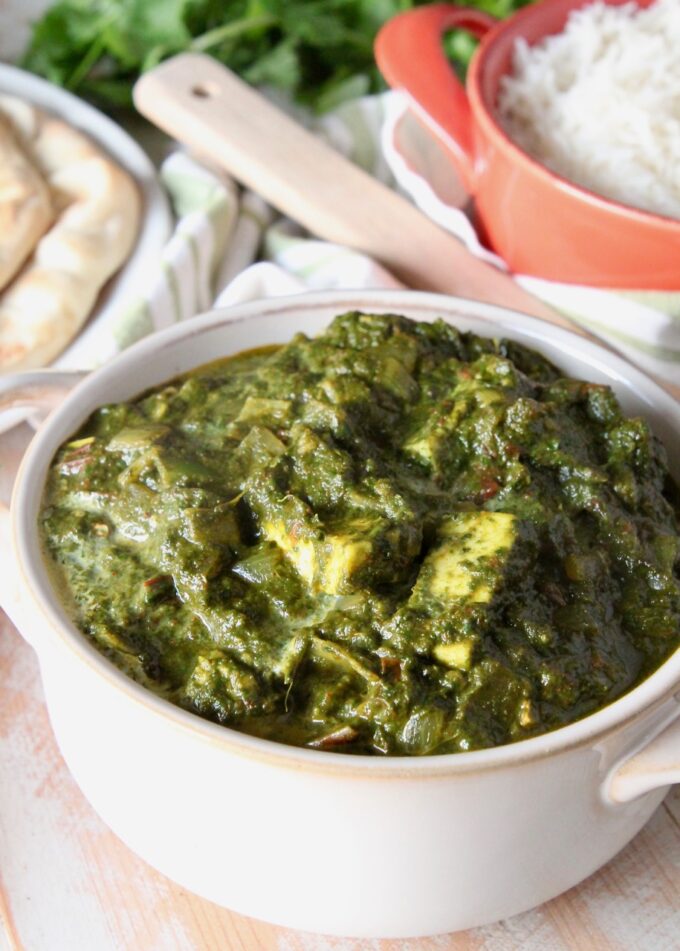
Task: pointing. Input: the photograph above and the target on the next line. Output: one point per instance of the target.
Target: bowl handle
(37, 392)
(655, 765)
(410, 55)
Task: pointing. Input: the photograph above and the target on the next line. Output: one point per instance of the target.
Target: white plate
(156, 220)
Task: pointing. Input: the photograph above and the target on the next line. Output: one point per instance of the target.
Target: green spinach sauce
(392, 539)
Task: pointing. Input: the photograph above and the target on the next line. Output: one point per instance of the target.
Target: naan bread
(25, 204)
(97, 210)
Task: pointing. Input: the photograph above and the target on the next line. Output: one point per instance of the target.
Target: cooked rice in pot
(599, 103)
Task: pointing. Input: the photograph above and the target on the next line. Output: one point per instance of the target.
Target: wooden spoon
(204, 105)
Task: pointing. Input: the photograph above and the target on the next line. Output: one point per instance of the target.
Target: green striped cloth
(229, 246)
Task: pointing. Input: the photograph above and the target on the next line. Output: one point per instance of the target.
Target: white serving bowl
(332, 843)
(129, 283)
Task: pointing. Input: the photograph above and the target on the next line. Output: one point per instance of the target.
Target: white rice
(599, 103)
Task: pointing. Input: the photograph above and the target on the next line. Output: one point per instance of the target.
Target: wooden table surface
(68, 884)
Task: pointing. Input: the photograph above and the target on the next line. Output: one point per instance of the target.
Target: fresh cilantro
(318, 51)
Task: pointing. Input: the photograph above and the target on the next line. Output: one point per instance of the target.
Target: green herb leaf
(318, 51)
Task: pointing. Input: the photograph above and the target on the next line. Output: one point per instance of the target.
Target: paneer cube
(457, 655)
(466, 564)
(341, 558)
(327, 563)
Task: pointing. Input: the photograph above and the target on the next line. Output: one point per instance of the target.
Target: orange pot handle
(409, 53)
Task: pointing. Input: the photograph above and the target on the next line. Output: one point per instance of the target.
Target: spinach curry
(392, 539)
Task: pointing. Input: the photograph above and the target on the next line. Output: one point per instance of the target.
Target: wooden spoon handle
(208, 108)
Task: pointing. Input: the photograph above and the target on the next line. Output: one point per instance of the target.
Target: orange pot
(539, 222)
